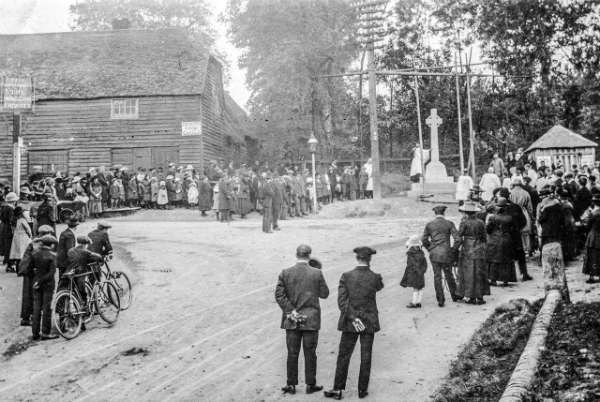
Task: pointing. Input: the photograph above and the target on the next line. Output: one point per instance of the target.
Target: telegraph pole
(370, 14)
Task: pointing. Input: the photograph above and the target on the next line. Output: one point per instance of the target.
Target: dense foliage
(547, 51)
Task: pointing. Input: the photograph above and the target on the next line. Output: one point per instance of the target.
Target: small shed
(560, 143)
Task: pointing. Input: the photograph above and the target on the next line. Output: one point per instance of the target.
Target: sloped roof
(240, 123)
(107, 63)
(561, 137)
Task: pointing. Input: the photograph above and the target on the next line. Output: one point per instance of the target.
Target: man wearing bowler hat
(359, 318)
(436, 239)
(297, 293)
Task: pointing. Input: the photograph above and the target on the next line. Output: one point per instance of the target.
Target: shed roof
(97, 64)
(561, 137)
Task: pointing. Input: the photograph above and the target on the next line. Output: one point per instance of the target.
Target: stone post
(554, 270)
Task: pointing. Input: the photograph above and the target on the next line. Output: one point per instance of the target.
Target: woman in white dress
(369, 169)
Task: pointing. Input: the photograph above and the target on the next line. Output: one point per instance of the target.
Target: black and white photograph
(294, 200)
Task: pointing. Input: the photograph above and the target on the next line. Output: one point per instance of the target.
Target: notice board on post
(17, 94)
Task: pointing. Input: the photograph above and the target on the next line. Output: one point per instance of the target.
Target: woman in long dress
(472, 270)
(369, 170)
(499, 245)
(416, 166)
(591, 260)
(569, 238)
(21, 236)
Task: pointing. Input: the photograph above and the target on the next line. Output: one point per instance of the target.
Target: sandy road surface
(206, 321)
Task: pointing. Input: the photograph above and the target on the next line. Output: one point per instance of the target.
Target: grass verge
(570, 364)
(483, 368)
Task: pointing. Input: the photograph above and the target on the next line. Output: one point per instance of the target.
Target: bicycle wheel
(66, 315)
(91, 308)
(123, 285)
(65, 214)
(107, 301)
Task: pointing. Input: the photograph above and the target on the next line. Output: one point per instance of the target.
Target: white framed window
(124, 109)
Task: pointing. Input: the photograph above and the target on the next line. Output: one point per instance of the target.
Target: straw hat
(11, 197)
(469, 207)
(414, 240)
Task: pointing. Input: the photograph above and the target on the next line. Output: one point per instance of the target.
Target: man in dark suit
(436, 239)
(297, 293)
(265, 195)
(359, 318)
(278, 198)
(224, 197)
(65, 243)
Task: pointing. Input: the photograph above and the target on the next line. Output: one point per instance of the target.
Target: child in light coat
(192, 195)
(416, 266)
(163, 198)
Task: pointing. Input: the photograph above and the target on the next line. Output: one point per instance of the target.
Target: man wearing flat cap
(100, 241)
(436, 239)
(297, 293)
(359, 317)
(66, 242)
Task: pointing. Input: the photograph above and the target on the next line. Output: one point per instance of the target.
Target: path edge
(527, 366)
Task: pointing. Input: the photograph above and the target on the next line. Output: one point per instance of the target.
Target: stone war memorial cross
(435, 171)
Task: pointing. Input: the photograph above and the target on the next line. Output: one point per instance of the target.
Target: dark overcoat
(501, 231)
(551, 219)
(436, 239)
(357, 299)
(224, 195)
(204, 191)
(66, 242)
(299, 288)
(591, 259)
(100, 242)
(416, 266)
(265, 194)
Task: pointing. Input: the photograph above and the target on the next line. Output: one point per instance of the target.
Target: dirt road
(204, 324)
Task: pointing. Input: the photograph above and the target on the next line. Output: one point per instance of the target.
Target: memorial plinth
(436, 177)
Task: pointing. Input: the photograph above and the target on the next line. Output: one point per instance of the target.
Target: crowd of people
(37, 259)
(219, 187)
(522, 206)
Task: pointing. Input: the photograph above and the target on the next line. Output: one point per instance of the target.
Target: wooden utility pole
(471, 133)
(460, 143)
(373, 122)
(420, 131)
(371, 14)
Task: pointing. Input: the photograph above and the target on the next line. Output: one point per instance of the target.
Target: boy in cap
(26, 271)
(436, 239)
(359, 318)
(44, 268)
(100, 241)
(298, 291)
(78, 259)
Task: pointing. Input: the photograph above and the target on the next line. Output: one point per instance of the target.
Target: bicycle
(121, 282)
(68, 311)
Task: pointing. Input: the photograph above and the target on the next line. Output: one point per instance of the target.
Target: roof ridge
(96, 32)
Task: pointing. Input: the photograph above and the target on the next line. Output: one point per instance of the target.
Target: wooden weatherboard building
(560, 143)
(138, 98)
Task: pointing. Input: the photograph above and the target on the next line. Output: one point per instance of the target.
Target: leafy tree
(287, 45)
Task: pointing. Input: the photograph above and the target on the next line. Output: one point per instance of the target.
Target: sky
(42, 16)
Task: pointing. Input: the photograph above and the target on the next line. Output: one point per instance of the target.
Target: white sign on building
(191, 128)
